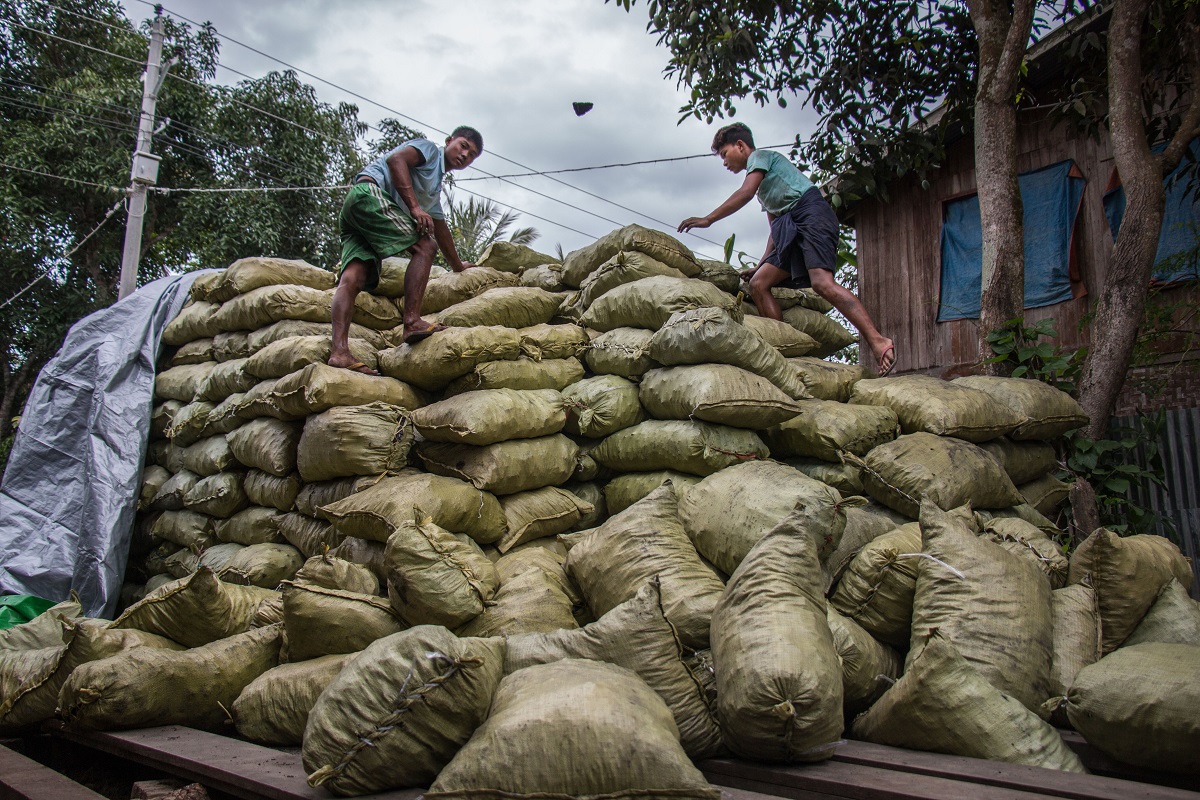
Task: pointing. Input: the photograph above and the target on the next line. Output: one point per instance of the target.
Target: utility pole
(144, 173)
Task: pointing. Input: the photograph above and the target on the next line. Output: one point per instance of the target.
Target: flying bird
(581, 108)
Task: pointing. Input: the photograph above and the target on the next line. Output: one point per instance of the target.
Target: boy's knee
(823, 282)
(425, 246)
(354, 277)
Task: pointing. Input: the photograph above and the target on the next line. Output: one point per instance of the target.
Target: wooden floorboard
(1101, 764)
(852, 781)
(22, 778)
(995, 773)
(229, 765)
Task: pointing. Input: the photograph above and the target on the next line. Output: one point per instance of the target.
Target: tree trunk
(1121, 305)
(1003, 39)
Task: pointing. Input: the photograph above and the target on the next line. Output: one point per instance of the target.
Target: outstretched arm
(736, 201)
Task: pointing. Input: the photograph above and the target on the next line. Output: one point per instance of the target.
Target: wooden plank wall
(899, 249)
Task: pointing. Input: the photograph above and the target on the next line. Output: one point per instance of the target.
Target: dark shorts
(805, 237)
(373, 227)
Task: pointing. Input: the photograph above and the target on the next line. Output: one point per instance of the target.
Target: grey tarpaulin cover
(69, 492)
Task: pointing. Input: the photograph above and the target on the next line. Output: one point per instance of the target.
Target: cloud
(512, 70)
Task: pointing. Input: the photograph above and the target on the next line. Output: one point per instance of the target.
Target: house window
(1051, 197)
(1178, 256)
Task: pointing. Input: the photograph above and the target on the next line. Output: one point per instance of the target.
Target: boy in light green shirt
(802, 246)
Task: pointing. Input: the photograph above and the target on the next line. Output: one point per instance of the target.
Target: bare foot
(348, 361)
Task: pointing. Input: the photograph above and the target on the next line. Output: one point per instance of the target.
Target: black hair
(470, 134)
(737, 132)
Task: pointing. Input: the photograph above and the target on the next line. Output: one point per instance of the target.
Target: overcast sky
(512, 68)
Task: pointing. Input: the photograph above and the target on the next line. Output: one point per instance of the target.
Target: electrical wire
(64, 178)
(108, 25)
(68, 254)
(78, 44)
(611, 166)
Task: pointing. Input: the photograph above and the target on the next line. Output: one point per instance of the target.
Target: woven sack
(790, 342)
(544, 276)
(539, 513)
(322, 622)
(931, 405)
(864, 525)
(369, 439)
(438, 687)
(513, 257)
(1077, 638)
(876, 588)
(509, 307)
(434, 362)
(195, 610)
(1045, 494)
(505, 467)
(827, 380)
(273, 709)
(253, 525)
(540, 342)
(320, 387)
(188, 423)
(331, 572)
(717, 393)
(535, 596)
(650, 302)
(825, 429)
(196, 320)
(452, 288)
(621, 351)
(779, 679)
(1023, 461)
(828, 333)
(869, 667)
(288, 328)
(285, 356)
(312, 537)
(265, 489)
(1173, 619)
(219, 495)
(1045, 412)
(265, 565)
(490, 416)
(521, 374)
(625, 490)
(700, 448)
(247, 274)
(560, 722)
(182, 383)
(624, 267)
(169, 496)
(185, 529)
(1024, 539)
(599, 406)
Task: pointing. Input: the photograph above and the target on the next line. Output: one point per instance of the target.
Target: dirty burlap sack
(438, 689)
(274, 708)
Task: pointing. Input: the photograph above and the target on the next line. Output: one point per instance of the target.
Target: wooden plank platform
(238, 768)
(22, 778)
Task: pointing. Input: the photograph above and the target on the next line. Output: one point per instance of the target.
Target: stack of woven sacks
(612, 459)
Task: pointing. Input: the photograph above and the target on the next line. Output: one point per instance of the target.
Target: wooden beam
(229, 765)
(22, 778)
(997, 773)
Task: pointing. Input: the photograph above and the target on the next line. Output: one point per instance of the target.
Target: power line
(108, 25)
(434, 128)
(72, 41)
(64, 178)
(68, 254)
(164, 190)
(531, 214)
(611, 166)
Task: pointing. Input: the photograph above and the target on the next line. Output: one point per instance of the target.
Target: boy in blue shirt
(395, 207)
(802, 246)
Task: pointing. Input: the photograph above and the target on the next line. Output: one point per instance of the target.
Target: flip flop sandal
(883, 371)
(421, 335)
(360, 368)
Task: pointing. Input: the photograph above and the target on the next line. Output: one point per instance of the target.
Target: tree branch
(1189, 125)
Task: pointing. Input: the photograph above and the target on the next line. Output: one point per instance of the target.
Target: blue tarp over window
(1178, 258)
(1051, 197)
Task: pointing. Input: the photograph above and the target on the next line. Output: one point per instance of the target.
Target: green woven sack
(790, 342)
(273, 709)
(254, 525)
(610, 564)
(535, 596)
(434, 362)
(314, 495)
(490, 416)
(846, 478)
(369, 439)
(265, 565)
(231, 346)
(942, 704)
(602, 405)
(876, 588)
(509, 307)
(869, 667)
(1138, 705)
(337, 573)
(949, 471)
(44, 630)
(265, 489)
(728, 512)
(194, 321)
(448, 290)
(188, 423)
(660, 246)
(435, 577)
(312, 537)
(545, 276)
(1045, 412)
(540, 342)
(825, 429)
(719, 274)
(1023, 461)
(1127, 573)
(932, 405)
(711, 335)
(1077, 638)
(1173, 619)
(828, 332)
(621, 351)
(225, 379)
(182, 383)
(779, 678)
(322, 622)
(624, 267)
(539, 513)
(161, 417)
(219, 495)
(650, 302)
(185, 529)
(513, 257)
(864, 525)
(320, 387)
(248, 274)
(636, 635)
(718, 393)
(827, 380)
(438, 689)
(1045, 494)
(522, 374)
(30, 699)
(196, 352)
(260, 307)
(1026, 540)
(700, 448)
(285, 356)
(153, 479)
(287, 328)
(455, 505)
(993, 606)
(625, 490)
(505, 467)
(208, 456)
(576, 710)
(195, 610)
(169, 496)
(150, 686)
